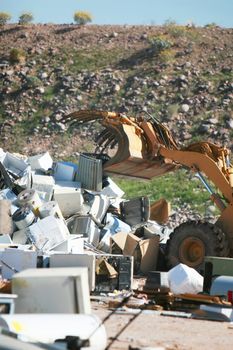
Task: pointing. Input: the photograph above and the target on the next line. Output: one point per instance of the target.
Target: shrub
(177, 31)
(82, 17)
(170, 22)
(211, 25)
(4, 18)
(26, 18)
(167, 55)
(160, 43)
(32, 82)
(17, 55)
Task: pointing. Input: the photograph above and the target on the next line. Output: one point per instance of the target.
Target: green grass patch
(176, 187)
(96, 59)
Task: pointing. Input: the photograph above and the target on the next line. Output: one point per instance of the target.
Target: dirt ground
(159, 332)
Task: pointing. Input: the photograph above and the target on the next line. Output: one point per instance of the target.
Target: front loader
(144, 148)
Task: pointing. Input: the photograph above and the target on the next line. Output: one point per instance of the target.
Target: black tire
(190, 242)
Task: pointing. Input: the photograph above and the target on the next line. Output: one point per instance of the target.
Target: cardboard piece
(144, 251)
(6, 223)
(104, 268)
(160, 211)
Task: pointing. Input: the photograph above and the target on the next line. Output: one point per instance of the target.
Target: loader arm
(203, 163)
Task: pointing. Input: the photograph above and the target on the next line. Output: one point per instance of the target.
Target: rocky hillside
(182, 75)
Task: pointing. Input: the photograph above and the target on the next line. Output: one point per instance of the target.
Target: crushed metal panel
(84, 225)
(90, 173)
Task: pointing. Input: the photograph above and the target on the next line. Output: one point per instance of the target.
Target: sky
(138, 12)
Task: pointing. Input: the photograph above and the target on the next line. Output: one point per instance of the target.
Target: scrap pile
(67, 229)
(49, 207)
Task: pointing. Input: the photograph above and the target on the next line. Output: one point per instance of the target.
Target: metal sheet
(90, 173)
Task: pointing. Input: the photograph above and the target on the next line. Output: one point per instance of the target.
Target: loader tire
(190, 242)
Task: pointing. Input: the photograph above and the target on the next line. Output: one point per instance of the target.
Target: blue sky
(141, 12)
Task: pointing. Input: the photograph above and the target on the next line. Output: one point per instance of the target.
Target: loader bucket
(136, 143)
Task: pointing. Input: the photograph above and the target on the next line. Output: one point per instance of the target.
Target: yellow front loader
(144, 148)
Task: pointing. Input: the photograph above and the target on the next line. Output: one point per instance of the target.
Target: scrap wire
(9, 267)
(123, 302)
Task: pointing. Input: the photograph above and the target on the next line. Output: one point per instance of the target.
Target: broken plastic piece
(50, 209)
(47, 233)
(111, 189)
(65, 171)
(184, 279)
(99, 207)
(43, 183)
(69, 199)
(41, 162)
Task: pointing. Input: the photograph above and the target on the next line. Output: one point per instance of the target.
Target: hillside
(182, 75)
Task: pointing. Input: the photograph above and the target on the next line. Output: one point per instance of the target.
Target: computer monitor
(52, 290)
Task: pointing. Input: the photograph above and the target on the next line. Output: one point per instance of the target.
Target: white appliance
(53, 290)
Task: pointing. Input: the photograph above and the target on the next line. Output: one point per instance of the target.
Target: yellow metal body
(146, 149)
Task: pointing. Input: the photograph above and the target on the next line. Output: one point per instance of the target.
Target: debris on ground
(67, 229)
